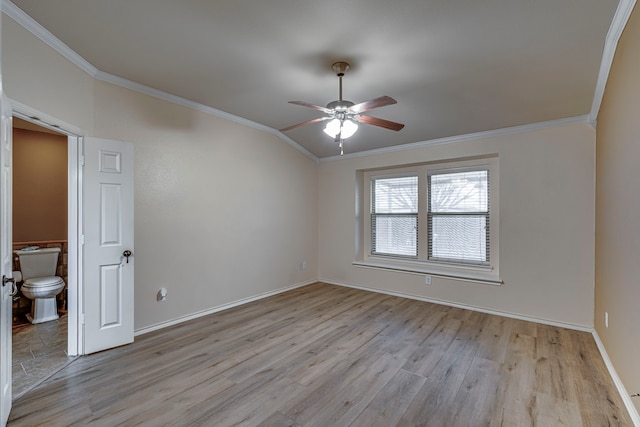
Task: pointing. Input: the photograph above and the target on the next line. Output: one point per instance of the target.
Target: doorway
(108, 172)
(40, 220)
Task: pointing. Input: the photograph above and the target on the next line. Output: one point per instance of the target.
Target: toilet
(38, 269)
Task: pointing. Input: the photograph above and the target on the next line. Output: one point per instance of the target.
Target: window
(458, 216)
(437, 218)
(394, 216)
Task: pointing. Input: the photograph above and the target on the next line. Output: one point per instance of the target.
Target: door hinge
(82, 319)
(82, 160)
(82, 240)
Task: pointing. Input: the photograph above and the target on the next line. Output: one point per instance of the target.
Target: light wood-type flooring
(324, 355)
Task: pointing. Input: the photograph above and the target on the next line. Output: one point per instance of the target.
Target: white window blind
(458, 217)
(394, 216)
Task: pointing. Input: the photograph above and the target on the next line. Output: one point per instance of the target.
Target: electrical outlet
(427, 280)
(606, 319)
(303, 265)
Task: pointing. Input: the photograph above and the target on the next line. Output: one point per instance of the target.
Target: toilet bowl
(38, 269)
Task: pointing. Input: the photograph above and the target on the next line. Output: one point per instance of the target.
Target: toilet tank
(38, 263)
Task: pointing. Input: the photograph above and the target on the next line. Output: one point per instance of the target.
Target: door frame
(75, 158)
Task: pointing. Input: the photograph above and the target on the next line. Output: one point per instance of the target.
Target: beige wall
(39, 186)
(42, 79)
(222, 211)
(618, 211)
(546, 225)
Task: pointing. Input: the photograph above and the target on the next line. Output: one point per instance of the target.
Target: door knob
(6, 280)
(14, 288)
(127, 254)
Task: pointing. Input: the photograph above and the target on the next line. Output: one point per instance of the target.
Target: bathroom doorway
(40, 219)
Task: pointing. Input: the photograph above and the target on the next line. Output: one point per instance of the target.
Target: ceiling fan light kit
(344, 128)
(343, 114)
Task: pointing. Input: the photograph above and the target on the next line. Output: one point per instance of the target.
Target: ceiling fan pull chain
(341, 151)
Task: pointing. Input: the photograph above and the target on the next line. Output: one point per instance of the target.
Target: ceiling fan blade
(370, 105)
(308, 122)
(379, 122)
(315, 107)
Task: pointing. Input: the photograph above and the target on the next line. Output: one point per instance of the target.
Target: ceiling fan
(343, 114)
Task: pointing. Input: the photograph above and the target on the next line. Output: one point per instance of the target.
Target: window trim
(481, 273)
(371, 214)
(366, 208)
(430, 215)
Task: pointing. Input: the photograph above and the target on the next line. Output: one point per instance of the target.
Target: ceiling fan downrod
(340, 68)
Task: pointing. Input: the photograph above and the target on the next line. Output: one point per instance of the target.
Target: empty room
(297, 213)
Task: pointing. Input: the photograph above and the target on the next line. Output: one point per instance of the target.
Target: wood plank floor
(325, 355)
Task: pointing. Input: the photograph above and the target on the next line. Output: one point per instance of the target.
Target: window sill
(468, 275)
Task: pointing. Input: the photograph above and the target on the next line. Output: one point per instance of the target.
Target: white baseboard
(216, 309)
(464, 306)
(626, 397)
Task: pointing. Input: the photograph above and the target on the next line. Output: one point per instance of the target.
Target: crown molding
(461, 138)
(31, 25)
(619, 22)
(28, 23)
(137, 87)
(295, 145)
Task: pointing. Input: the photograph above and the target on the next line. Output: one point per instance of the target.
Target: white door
(6, 265)
(108, 239)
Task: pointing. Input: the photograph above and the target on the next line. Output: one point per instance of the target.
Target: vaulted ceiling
(455, 67)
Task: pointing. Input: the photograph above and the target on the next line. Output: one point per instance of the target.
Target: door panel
(108, 231)
(111, 199)
(111, 296)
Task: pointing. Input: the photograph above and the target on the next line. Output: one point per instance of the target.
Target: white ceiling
(455, 67)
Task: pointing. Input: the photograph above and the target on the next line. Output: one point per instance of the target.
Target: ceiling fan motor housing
(340, 105)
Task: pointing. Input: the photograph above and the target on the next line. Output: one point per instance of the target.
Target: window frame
(430, 215)
(371, 213)
(487, 273)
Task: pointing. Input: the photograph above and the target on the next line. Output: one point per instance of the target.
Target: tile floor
(38, 352)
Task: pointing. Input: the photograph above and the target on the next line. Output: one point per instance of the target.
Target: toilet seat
(43, 281)
(42, 287)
